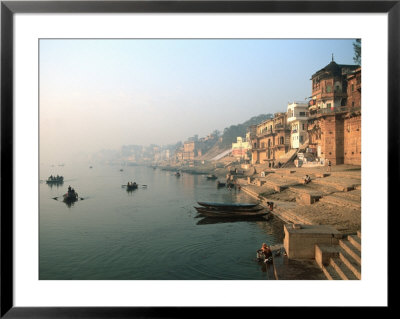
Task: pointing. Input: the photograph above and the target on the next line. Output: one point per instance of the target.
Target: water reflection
(70, 202)
(220, 220)
(55, 184)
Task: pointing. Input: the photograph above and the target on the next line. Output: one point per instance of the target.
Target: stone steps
(344, 272)
(330, 272)
(343, 261)
(340, 201)
(355, 241)
(354, 195)
(343, 187)
(350, 262)
(351, 250)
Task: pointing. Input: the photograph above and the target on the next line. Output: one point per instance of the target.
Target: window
(328, 89)
(302, 113)
(352, 104)
(352, 87)
(303, 126)
(328, 105)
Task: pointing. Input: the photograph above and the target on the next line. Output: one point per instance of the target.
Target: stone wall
(352, 140)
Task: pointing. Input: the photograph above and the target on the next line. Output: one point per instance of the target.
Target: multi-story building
(352, 120)
(189, 150)
(334, 123)
(329, 86)
(297, 115)
(354, 88)
(271, 140)
(241, 148)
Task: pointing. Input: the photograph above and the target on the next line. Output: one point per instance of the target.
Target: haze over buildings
(102, 94)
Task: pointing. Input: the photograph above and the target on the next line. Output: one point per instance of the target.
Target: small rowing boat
(220, 184)
(227, 205)
(230, 210)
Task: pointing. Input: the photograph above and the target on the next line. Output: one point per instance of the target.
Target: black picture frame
(9, 8)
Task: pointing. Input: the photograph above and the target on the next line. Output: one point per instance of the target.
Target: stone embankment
(331, 198)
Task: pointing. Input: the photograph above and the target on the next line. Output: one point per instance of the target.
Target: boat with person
(55, 179)
(220, 184)
(131, 186)
(71, 195)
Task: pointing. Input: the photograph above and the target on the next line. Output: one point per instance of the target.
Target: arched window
(282, 140)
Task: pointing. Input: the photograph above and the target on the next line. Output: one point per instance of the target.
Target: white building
(297, 115)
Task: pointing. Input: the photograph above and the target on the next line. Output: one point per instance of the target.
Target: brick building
(334, 125)
(329, 86)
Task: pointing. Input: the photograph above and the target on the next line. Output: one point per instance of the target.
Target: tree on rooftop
(357, 51)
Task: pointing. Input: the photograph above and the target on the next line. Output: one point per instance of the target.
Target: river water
(151, 233)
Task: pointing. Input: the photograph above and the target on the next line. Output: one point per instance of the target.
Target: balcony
(340, 109)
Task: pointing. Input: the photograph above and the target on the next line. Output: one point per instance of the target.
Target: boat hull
(230, 210)
(226, 205)
(70, 198)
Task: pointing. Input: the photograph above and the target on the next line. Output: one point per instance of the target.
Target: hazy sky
(102, 94)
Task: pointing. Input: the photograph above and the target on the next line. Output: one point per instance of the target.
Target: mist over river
(151, 233)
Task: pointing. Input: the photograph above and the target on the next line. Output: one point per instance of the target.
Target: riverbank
(331, 198)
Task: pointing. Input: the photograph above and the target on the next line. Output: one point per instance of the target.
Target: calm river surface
(152, 233)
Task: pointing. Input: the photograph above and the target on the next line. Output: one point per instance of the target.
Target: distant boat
(55, 180)
(177, 174)
(70, 195)
(212, 176)
(131, 186)
(121, 170)
(220, 184)
(90, 166)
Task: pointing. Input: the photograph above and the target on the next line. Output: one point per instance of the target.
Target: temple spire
(332, 58)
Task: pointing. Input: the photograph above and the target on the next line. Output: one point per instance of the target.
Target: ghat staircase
(342, 261)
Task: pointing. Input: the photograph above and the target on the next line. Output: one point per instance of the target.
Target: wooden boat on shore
(233, 214)
(227, 205)
(229, 210)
